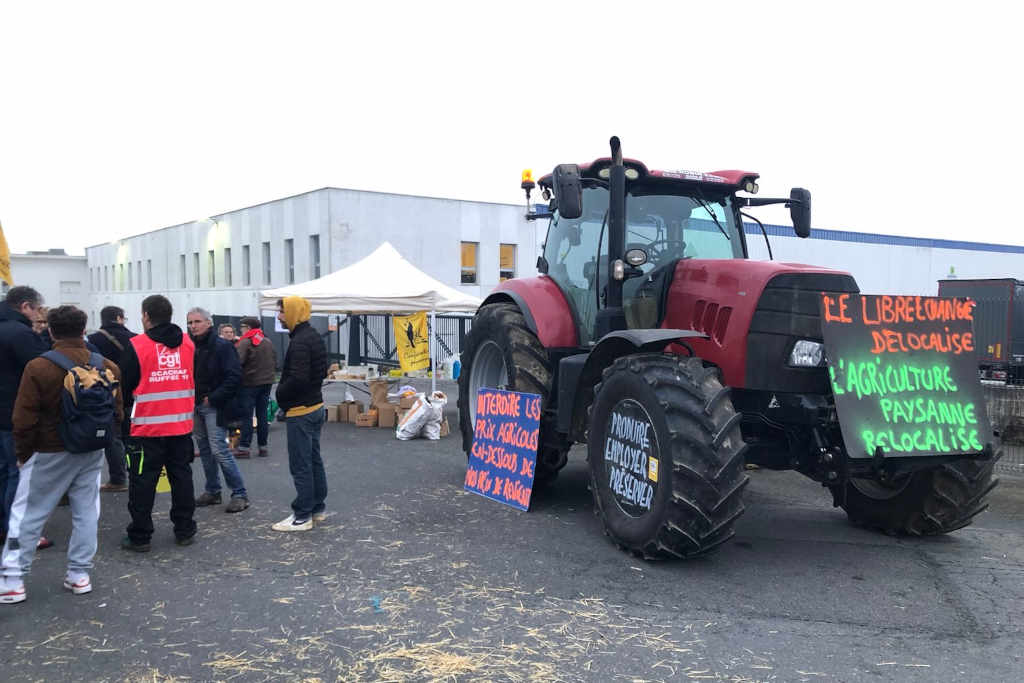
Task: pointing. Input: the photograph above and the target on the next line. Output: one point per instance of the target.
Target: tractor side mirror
(568, 190)
(800, 211)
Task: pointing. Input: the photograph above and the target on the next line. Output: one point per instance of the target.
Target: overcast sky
(119, 118)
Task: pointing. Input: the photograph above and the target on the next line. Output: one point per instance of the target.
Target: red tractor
(654, 340)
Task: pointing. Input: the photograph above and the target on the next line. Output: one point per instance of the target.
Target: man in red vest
(157, 372)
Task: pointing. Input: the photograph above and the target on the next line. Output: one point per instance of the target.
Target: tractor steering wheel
(658, 251)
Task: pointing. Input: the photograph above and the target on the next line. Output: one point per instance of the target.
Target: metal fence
(1005, 406)
(377, 339)
(365, 338)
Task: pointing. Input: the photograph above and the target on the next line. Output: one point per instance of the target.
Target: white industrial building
(889, 264)
(59, 278)
(222, 263)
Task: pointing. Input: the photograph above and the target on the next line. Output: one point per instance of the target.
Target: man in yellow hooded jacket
(299, 394)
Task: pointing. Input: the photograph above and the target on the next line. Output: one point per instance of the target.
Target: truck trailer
(998, 324)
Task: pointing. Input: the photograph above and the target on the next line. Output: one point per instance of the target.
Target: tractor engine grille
(786, 312)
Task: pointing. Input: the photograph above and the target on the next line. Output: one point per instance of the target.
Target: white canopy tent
(383, 282)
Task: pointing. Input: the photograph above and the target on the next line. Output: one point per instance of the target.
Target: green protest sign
(904, 374)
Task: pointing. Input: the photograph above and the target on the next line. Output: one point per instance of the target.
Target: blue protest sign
(504, 453)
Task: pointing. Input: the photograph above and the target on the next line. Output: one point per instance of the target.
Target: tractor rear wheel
(666, 456)
(502, 353)
(925, 503)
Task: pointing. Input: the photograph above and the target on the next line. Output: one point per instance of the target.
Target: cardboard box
(378, 392)
(445, 429)
(349, 410)
(367, 419)
(332, 413)
(406, 402)
(387, 415)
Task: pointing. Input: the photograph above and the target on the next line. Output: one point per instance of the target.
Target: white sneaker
(292, 524)
(11, 591)
(79, 587)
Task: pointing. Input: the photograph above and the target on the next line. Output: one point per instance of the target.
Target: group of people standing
(175, 394)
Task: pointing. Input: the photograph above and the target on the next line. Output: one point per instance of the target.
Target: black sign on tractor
(904, 375)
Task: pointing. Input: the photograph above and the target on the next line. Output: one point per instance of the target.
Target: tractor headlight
(807, 354)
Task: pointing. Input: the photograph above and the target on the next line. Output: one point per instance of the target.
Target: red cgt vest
(165, 397)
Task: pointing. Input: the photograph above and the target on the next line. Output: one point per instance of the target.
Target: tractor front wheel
(666, 456)
(926, 503)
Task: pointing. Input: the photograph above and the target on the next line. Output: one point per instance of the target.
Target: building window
(266, 263)
(149, 274)
(469, 250)
(314, 256)
(507, 262)
(227, 266)
(246, 273)
(130, 287)
(211, 263)
(184, 277)
(138, 272)
(289, 261)
(120, 277)
(106, 279)
(195, 268)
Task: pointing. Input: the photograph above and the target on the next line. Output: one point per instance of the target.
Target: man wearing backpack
(160, 380)
(112, 339)
(59, 443)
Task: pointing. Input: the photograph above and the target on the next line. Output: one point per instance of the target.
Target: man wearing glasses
(18, 345)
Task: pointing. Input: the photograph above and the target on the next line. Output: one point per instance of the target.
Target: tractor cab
(664, 223)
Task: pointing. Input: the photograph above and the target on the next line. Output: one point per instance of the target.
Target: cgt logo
(167, 359)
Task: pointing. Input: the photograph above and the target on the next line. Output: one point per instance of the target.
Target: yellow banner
(412, 341)
(5, 260)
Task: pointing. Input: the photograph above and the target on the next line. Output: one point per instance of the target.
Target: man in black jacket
(112, 339)
(218, 377)
(18, 345)
(299, 394)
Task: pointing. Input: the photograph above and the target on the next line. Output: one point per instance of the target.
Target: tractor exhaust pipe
(616, 150)
(612, 317)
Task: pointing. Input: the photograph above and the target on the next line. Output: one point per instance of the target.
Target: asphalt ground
(410, 578)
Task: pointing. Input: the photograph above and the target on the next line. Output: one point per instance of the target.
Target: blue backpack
(87, 404)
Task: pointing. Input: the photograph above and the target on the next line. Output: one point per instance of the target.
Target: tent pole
(433, 361)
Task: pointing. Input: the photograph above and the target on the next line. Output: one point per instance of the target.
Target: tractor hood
(753, 312)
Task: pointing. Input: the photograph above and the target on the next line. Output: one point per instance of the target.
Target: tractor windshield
(666, 226)
(670, 227)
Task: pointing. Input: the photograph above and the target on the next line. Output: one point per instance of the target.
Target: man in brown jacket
(259, 367)
(47, 469)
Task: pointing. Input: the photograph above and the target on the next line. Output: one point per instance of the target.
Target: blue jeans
(258, 398)
(8, 476)
(213, 449)
(305, 464)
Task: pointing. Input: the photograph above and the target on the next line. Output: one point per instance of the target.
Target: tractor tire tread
(941, 500)
(707, 475)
